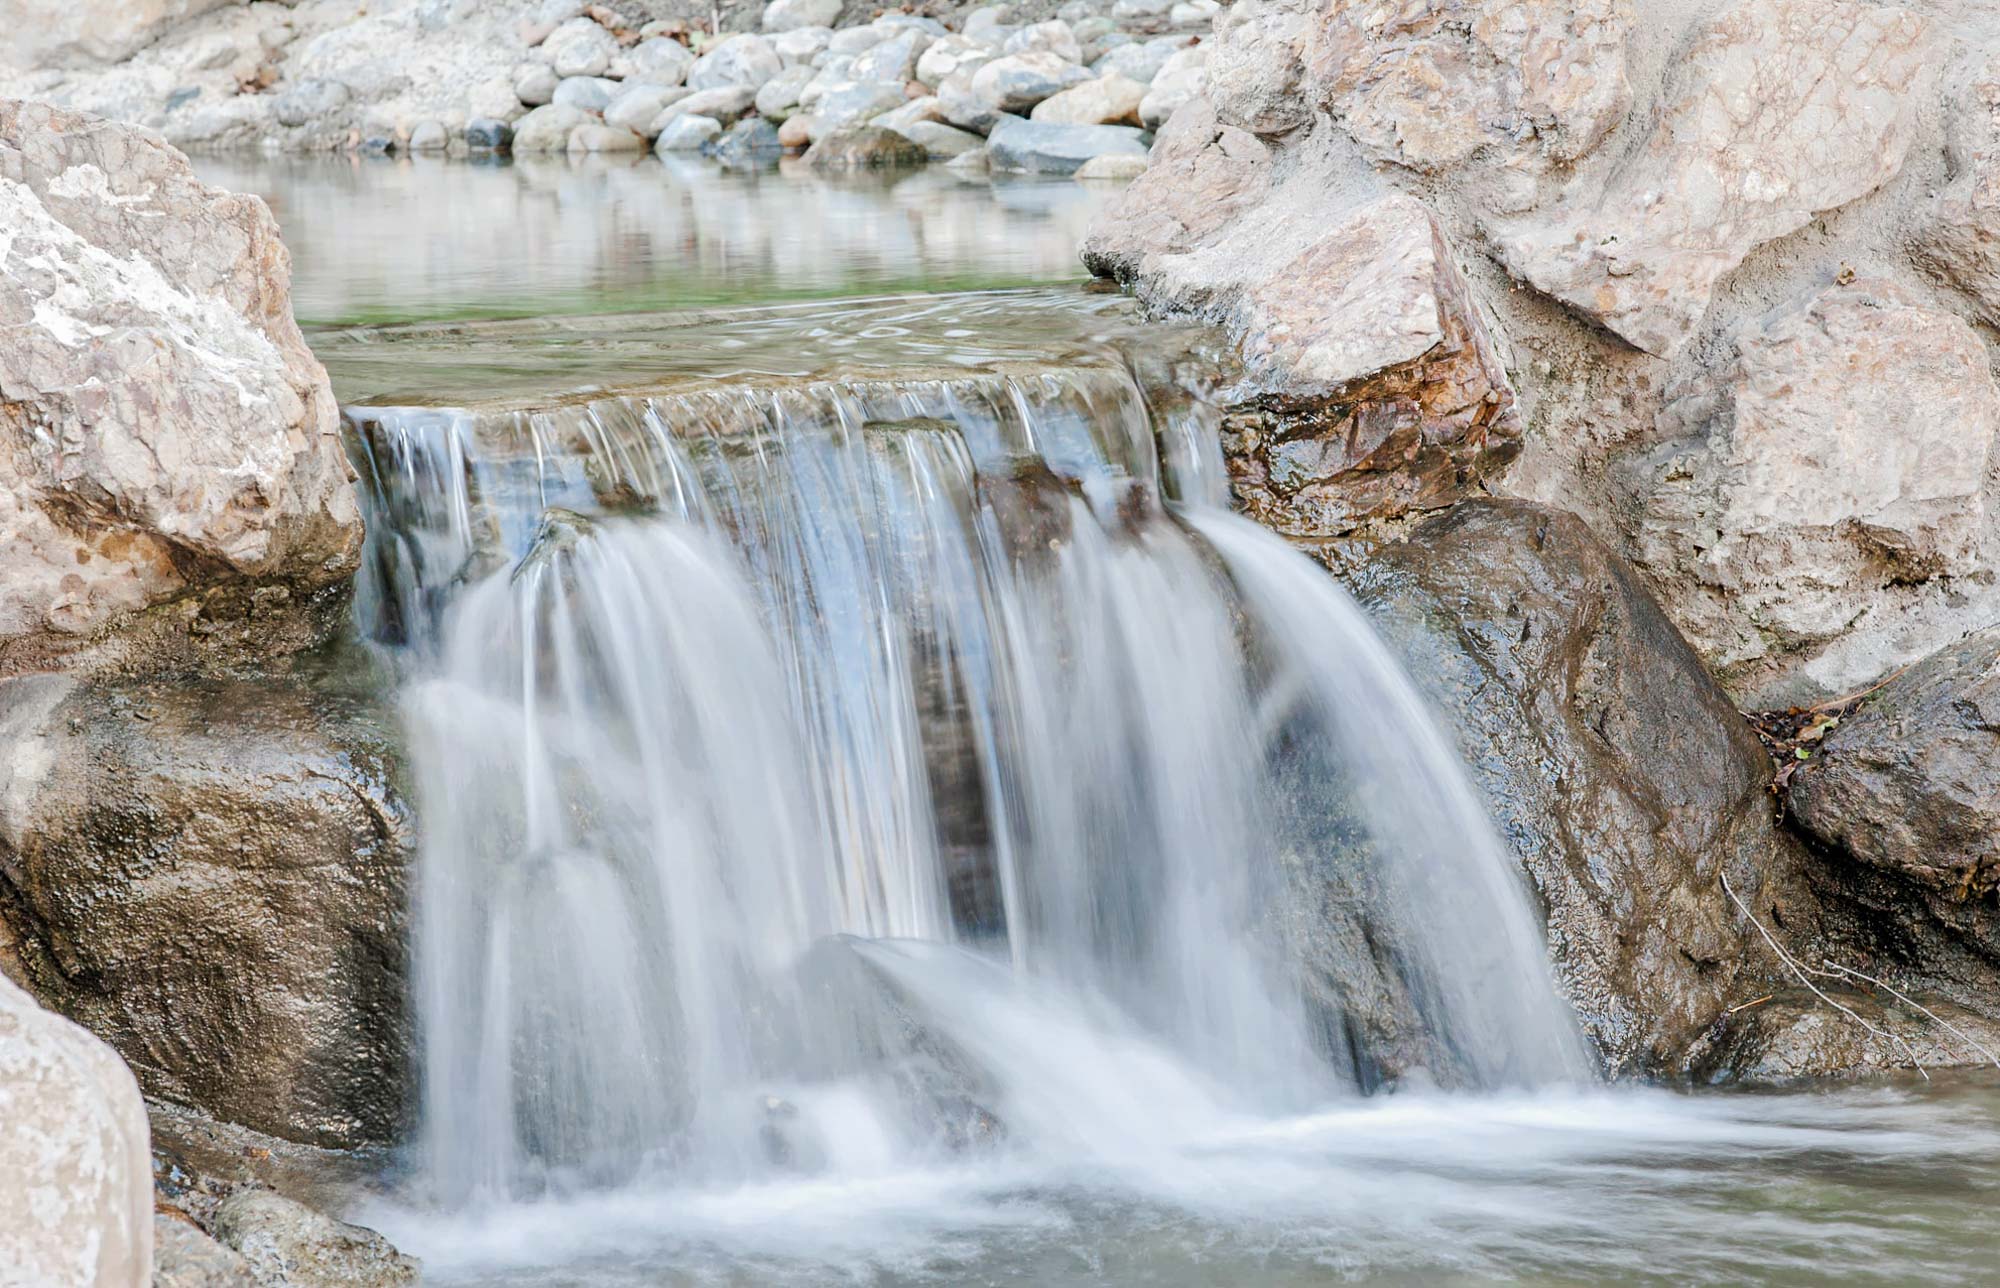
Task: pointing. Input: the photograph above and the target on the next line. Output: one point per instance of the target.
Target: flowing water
(886, 821)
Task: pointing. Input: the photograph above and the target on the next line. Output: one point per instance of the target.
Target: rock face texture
(1779, 109)
(288, 1245)
(76, 1185)
(51, 33)
(1837, 450)
(1612, 764)
(173, 485)
(1960, 241)
(209, 874)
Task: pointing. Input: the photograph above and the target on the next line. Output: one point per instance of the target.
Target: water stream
(886, 821)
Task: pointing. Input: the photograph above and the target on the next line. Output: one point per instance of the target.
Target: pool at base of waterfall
(883, 820)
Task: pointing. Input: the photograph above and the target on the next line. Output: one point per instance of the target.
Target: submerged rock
(209, 873)
(76, 1194)
(176, 488)
(1613, 766)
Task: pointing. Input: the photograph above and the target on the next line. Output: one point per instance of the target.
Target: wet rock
(176, 490)
(209, 874)
(1037, 147)
(739, 61)
(579, 47)
(547, 129)
(76, 1193)
(751, 141)
(1779, 110)
(1616, 770)
(288, 1245)
(1797, 1037)
(658, 61)
(1179, 81)
(789, 15)
(864, 148)
(1801, 548)
(1910, 783)
(484, 134)
(687, 133)
(1108, 100)
(1017, 82)
(185, 1257)
(1960, 240)
(586, 93)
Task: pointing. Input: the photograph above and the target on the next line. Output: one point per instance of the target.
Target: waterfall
(817, 774)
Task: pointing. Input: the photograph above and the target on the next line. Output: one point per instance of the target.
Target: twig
(1836, 968)
(1804, 972)
(1755, 1001)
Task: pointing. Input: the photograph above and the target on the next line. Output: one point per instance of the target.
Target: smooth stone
(894, 60)
(687, 133)
(1141, 60)
(1053, 37)
(746, 61)
(659, 61)
(638, 106)
(309, 102)
(1180, 79)
(926, 109)
(797, 131)
(536, 85)
(605, 138)
(865, 148)
(289, 1244)
(854, 102)
(941, 142)
(1108, 100)
(780, 96)
(801, 45)
(751, 141)
(586, 93)
(1017, 82)
(1034, 147)
(579, 47)
(429, 136)
(717, 104)
(484, 134)
(547, 129)
(1117, 166)
(790, 15)
(855, 41)
(952, 54)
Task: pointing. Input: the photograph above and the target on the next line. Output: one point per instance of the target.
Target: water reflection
(376, 239)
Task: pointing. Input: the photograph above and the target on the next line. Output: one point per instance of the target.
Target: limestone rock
(745, 61)
(1910, 783)
(1019, 81)
(288, 1245)
(1535, 81)
(184, 1257)
(1037, 147)
(1381, 390)
(1787, 524)
(176, 487)
(209, 874)
(1613, 766)
(1960, 242)
(789, 15)
(1780, 109)
(915, 112)
(1108, 100)
(76, 1182)
(864, 148)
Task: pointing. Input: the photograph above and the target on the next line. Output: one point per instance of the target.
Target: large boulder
(1960, 241)
(1779, 110)
(289, 1245)
(76, 1184)
(209, 873)
(174, 488)
(1800, 544)
(1614, 767)
(1375, 385)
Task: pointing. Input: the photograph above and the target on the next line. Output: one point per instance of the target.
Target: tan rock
(76, 1180)
(1203, 175)
(175, 485)
(1255, 65)
(1112, 168)
(1960, 242)
(1108, 100)
(1809, 487)
(1781, 108)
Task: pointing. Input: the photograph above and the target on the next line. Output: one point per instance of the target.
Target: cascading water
(930, 665)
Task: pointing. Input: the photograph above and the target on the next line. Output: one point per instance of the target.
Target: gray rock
(752, 141)
(1179, 81)
(309, 102)
(637, 106)
(201, 479)
(790, 15)
(249, 804)
(970, 163)
(1616, 770)
(687, 133)
(949, 55)
(586, 93)
(852, 42)
(484, 134)
(799, 46)
(579, 47)
(659, 61)
(1017, 82)
(596, 137)
(988, 25)
(1038, 147)
(910, 113)
(940, 142)
(1140, 62)
(1052, 37)
(893, 60)
(1115, 167)
(740, 61)
(288, 1245)
(547, 129)
(1143, 15)
(429, 136)
(723, 105)
(536, 85)
(780, 96)
(864, 148)
(855, 102)
(76, 1205)
(184, 1257)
